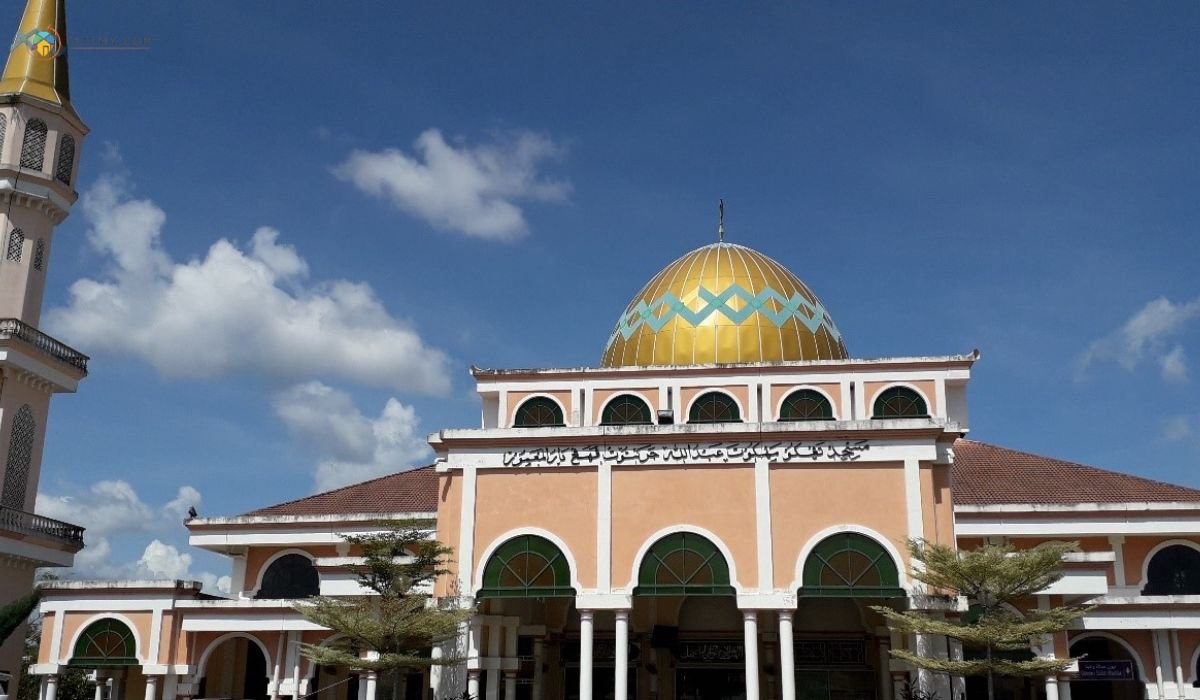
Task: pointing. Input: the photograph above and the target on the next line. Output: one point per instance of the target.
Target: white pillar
(362, 686)
(885, 673)
(750, 626)
(277, 669)
(621, 657)
(151, 687)
(372, 678)
(100, 683)
(539, 654)
(510, 685)
(1051, 688)
(1179, 686)
(473, 683)
(51, 687)
(116, 691)
(585, 655)
(787, 656)
(1064, 689)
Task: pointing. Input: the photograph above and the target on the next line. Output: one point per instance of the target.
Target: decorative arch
(1191, 576)
(99, 618)
(683, 563)
(806, 395)
(20, 459)
(33, 147)
(66, 159)
(270, 561)
(626, 409)
(715, 406)
(650, 541)
(539, 411)
(816, 539)
(1137, 660)
(550, 537)
(527, 566)
(899, 401)
(850, 564)
(202, 665)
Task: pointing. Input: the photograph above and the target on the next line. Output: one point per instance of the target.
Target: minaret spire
(37, 63)
(720, 220)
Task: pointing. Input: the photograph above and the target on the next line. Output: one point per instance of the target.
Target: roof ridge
(340, 489)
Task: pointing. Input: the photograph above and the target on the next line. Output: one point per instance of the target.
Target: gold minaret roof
(26, 73)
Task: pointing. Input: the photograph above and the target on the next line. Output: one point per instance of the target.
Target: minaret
(40, 140)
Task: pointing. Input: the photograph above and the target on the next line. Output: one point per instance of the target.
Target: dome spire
(720, 220)
(37, 61)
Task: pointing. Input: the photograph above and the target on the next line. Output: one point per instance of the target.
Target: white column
(277, 671)
(372, 677)
(151, 687)
(510, 685)
(1064, 689)
(885, 673)
(539, 654)
(750, 626)
(51, 687)
(117, 690)
(492, 685)
(473, 683)
(621, 657)
(100, 683)
(787, 656)
(1178, 662)
(362, 686)
(295, 651)
(1051, 688)
(958, 684)
(585, 655)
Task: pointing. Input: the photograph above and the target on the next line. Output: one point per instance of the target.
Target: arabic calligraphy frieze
(706, 453)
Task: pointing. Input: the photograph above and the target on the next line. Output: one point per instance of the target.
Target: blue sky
(448, 184)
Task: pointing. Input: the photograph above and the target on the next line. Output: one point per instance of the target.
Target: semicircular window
(527, 566)
(900, 402)
(1173, 570)
(806, 404)
(290, 576)
(626, 409)
(850, 565)
(539, 412)
(105, 643)
(714, 407)
(683, 563)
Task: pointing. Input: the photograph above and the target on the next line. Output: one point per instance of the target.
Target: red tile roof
(985, 474)
(412, 491)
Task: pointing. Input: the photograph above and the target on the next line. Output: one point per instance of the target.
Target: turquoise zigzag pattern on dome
(648, 314)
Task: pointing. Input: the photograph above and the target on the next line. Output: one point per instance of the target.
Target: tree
(397, 622)
(994, 579)
(16, 613)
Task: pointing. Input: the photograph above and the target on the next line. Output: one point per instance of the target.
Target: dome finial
(721, 220)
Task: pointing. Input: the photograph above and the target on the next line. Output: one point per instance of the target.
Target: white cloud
(1177, 428)
(1145, 335)
(236, 309)
(351, 447)
(472, 190)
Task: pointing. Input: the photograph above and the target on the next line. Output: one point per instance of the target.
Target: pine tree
(994, 579)
(16, 613)
(397, 622)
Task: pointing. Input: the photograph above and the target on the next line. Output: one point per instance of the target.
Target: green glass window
(105, 643)
(527, 566)
(806, 404)
(850, 565)
(900, 402)
(683, 564)
(626, 409)
(539, 412)
(714, 407)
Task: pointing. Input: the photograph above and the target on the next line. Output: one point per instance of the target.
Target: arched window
(66, 159)
(806, 404)
(39, 255)
(16, 243)
(290, 576)
(539, 412)
(900, 402)
(527, 566)
(33, 148)
(1173, 570)
(683, 563)
(105, 643)
(626, 409)
(3, 128)
(714, 407)
(850, 565)
(20, 455)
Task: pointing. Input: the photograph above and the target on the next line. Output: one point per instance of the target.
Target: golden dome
(723, 303)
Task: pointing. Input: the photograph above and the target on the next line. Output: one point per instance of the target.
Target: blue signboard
(1105, 670)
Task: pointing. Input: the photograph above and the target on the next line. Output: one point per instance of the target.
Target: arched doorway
(236, 668)
(1108, 671)
(109, 647)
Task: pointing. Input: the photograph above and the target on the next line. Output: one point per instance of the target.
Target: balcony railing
(15, 328)
(15, 520)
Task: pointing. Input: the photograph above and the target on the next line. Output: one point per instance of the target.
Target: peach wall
(832, 390)
(449, 521)
(73, 623)
(562, 501)
(47, 638)
(719, 499)
(927, 387)
(516, 398)
(738, 391)
(806, 500)
(936, 509)
(601, 397)
(1137, 549)
(1189, 643)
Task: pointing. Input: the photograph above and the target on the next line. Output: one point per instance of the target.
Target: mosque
(707, 514)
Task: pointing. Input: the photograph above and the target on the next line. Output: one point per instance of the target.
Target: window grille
(66, 159)
(527, 566)
(539, 412)
(16, 242)
(806, 404)
(39, 255)
(20, 455)
(3, 129)
(900, 402)
(33, 148)
(714, 407)
(626, 410)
